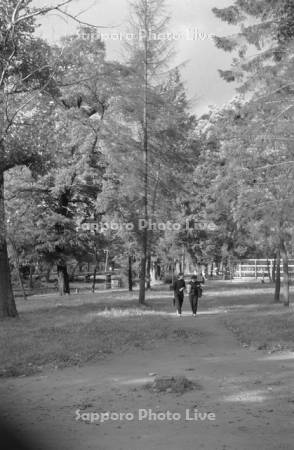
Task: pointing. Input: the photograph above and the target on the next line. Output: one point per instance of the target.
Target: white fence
(259, 268)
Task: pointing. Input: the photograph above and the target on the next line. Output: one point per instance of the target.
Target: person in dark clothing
(179, 287)
(194, 294)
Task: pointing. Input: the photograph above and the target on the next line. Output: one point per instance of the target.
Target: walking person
(179, 287)
(194, 294)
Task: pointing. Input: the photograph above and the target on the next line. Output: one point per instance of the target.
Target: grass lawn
(255, 320)
(270, 329)
(55, 332)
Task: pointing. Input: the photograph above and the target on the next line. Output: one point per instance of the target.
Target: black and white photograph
(147, 224)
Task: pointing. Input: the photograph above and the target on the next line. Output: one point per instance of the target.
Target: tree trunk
(66, 281)
(48, 272)
(130, 274)
(226, 269)
(222, 269)
(60, 282)
(274, 271)
(148, 270)
(286, 283)
(7, 302)
(106, 260)
(268, 270)
(31, 282)
(218, 268)
(154, 198)
(95, 268)
(94, 279)
(158, 271)
(173, 272)
(278, 277)
(142, 279)
(16, 260)
(142, 287)
(63, 279)
(73, 272)
(211, 271)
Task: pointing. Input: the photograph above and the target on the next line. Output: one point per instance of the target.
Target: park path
(250, 393)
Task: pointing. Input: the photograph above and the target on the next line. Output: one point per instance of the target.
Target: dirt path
(250, 393)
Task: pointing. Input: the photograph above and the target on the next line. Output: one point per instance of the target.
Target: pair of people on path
(194, 294)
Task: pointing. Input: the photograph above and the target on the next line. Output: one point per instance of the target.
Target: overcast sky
(190, 18)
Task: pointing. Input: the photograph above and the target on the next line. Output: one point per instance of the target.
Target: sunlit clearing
(136, 381)
(212, 311)
(246, 397)
(135, 312)
(279, 357)
(237, 292)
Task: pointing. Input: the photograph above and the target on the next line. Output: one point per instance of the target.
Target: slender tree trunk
(72, 274)
(142, 287)
(148, 284)
(211, 271)
(173, 273)
(226, 268)
(106, 260)
(66, 281)
(16, 260)
(130, 274)
(31, 283)
(158, 271)
(61, 284)
(63, 279)
(94, 278)
(278, 277)
(48, 272)
(268, 270)
(95, 268)
(7, 302)
(148, 270)
(274, 271)
(286, 283)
